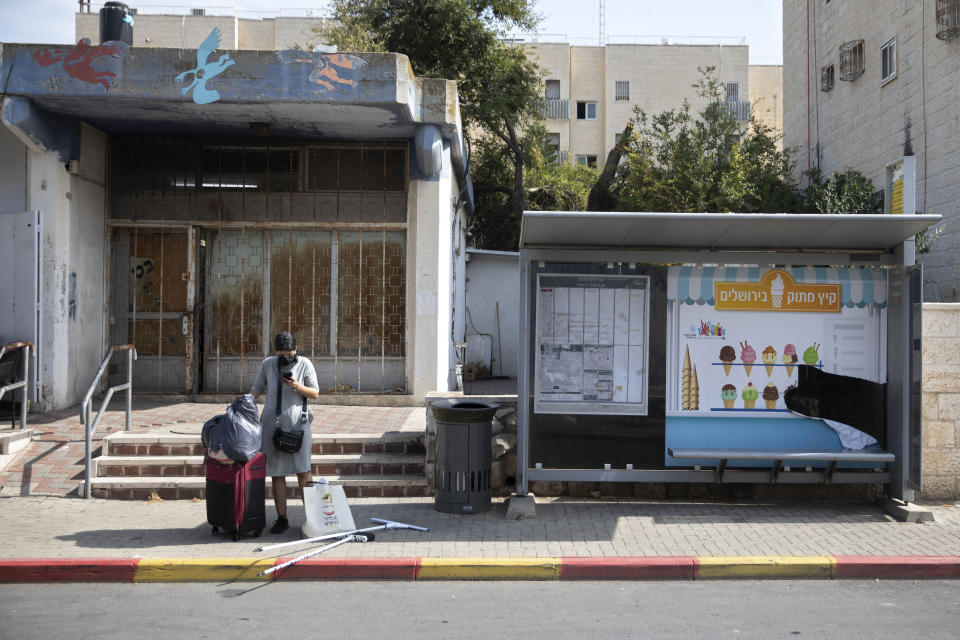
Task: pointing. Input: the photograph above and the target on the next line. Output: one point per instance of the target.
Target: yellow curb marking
(201, 569)
(488, 568)
(766, 567)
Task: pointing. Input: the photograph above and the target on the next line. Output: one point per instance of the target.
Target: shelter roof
(718, 231)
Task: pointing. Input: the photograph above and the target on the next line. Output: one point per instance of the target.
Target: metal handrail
(12, 346)
(85, 406)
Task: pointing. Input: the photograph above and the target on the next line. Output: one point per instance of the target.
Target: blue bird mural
(206, 70)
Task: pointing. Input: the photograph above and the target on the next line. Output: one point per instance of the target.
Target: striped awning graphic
(860, 286)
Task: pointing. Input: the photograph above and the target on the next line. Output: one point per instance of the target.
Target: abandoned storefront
(323, 194)
(304, 237)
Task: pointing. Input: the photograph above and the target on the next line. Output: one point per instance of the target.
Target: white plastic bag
(326, 509)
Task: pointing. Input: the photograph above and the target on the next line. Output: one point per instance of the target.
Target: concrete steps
(12, 441)
(137, 465)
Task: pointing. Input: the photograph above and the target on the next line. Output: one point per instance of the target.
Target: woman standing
(289, 381)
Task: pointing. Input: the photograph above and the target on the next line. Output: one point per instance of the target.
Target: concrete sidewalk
(50, 539)
(50, 534)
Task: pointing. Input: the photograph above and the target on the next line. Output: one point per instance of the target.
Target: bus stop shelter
(661, 348)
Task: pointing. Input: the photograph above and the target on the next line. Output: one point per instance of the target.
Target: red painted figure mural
(330, 71)
(78, 61)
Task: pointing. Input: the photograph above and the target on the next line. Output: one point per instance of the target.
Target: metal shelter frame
(695, 239)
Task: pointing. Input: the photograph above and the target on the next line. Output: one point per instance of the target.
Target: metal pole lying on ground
(384, 524)
(351, 538)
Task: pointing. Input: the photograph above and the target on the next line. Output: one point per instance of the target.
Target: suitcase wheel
(236, 536)
(256, 534)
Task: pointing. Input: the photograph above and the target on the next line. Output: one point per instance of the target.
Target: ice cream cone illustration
(790, 358)
(811, 355)
(727, 356)
(769, 357)
(748, 356)
(770, 395)
(749, 396)
(694, 403)
(728, 393)
(686, 382)
(776, 292)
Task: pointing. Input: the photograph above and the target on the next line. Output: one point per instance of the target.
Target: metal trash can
(462, 472)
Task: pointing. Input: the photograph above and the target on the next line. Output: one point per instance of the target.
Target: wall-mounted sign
(896, 188)
(592, 344)
(777, 291)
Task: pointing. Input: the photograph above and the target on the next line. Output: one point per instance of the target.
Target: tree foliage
(499, 88)
(847, 192)
(547, 185)
(680, 161)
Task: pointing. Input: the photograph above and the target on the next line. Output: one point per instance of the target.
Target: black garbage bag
(237, 432)
(860, 403)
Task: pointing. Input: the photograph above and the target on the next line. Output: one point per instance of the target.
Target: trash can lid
(460, 410)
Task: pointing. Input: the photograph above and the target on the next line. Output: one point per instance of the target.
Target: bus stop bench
(782, 458)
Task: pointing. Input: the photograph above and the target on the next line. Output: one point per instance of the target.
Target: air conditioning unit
(198, 12)
(948, 19)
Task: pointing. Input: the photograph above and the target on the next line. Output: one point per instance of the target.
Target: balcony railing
(555, 109)
(740, 110)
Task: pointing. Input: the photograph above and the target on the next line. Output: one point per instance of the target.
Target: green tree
(847, 192)
(680, 161)
(547, 185)
(460, 40)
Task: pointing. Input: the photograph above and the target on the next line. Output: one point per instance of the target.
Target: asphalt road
(558, 610)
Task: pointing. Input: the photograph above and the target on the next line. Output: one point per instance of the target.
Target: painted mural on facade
(78, 61)
(330, 71)
(205, 70)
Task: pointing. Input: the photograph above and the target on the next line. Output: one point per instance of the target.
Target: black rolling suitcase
(236, 496)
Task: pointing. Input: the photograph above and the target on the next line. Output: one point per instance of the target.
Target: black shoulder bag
(288, 441)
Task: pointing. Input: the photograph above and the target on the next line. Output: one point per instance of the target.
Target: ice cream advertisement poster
(742, 332)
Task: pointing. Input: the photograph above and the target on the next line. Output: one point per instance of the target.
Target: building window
(553, 90)
(733, 92)
(198, 12)
(826, 78)
(888, 61)
(587, 161)
(851, 60)
(948, 19)
(621, 90)
(586, 111)
(553, 143)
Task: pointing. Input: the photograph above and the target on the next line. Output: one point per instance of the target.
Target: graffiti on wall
(205, 70)
(330, 71)
(78, 61)
(144, 289)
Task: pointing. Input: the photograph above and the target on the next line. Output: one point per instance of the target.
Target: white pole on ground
(385, 524)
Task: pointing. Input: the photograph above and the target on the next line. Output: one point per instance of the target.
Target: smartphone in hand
(288, 375)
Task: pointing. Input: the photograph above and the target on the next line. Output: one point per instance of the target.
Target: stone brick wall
(865, 125)
(941, 401)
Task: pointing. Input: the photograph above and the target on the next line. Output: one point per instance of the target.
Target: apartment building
(867, 84)
(186, 28)
(590, 92)
(766, 95)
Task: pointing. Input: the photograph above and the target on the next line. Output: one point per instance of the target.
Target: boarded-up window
(300, 288)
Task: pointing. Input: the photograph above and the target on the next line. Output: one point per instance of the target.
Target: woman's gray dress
(280, 463)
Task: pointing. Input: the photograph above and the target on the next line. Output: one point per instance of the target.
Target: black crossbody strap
(303, 412)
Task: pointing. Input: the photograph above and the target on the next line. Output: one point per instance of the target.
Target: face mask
(287, 361)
